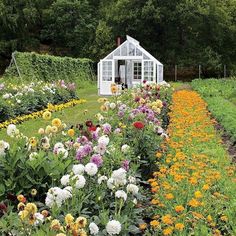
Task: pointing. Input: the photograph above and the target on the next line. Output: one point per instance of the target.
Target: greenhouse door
(107, 77)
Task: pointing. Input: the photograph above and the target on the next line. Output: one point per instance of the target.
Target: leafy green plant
(35, 66)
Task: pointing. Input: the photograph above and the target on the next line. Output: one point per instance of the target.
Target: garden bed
(79, 178)
(17, 100)
(194, 187)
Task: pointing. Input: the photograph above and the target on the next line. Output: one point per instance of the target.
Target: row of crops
(221, 98)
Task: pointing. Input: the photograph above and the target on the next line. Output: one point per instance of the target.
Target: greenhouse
(128, 65)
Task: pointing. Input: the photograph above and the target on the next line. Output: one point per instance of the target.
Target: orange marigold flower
(167, 219)
(155, 223)
(179, 226)
(158, 155)
(168, 231)
(179, 208)
(142, 226)
(205, 187)
(169, 196)
(155, 201)
(194, 203)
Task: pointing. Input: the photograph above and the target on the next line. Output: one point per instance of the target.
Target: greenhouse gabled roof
(131, 48)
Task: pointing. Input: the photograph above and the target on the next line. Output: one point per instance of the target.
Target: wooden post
(199, 71)
(225, 72)
(176, 71)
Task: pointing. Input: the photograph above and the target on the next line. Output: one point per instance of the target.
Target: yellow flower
(179, 208)
(31, 207)
(209, 218)
(56, 122)
(60, 234)
(69, 219)
(33, 192)
(48, 129)
(104, 108)
(50, 107)
(142, 226)
(33, 141)
(155, 223)
(24, 214)
(54, 129)
(179, 226)
(71, 132)
(168, 231)
(47, 115)
(55, 225)
(81, 222)
(158, 155)
(198, 194)
(224, 218)
(81, 232)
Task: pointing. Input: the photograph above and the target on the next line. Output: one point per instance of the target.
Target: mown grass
(71, 116)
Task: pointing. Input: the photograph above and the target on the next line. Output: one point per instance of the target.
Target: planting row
(194, 187)
(220, 96)
(87, 179)
(26, 98)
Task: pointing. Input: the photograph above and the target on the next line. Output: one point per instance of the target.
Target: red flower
(138, 125)
(92, 128)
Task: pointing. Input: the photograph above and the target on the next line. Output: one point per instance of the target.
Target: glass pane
(117, 52)
(131, 49)
(138, 52)
(107, 70)
(124, 50)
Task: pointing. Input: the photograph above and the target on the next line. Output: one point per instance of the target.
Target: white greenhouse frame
(128, 65)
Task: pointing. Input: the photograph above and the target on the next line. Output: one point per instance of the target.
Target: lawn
(70, 116)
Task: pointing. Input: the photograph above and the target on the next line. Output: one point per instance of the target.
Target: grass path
(70, 116)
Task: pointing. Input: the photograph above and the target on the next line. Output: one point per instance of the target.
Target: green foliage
(33, 66)
(220, 96)
(179, 32)
(20, 174)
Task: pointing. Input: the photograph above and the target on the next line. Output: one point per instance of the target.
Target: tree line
(183, 32)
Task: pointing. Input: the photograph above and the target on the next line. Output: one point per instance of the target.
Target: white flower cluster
(93, 228)
(57, 196)
(60, 150)
(118, 178)
(12, 130)
(4, 146)
(113, 227)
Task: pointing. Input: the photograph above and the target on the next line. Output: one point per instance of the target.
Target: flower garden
(150, 162)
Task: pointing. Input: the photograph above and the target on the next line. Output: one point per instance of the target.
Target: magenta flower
(96, 159)
(125, 165)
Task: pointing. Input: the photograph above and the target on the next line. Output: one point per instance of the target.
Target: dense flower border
(37, 114)
(193, 189)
